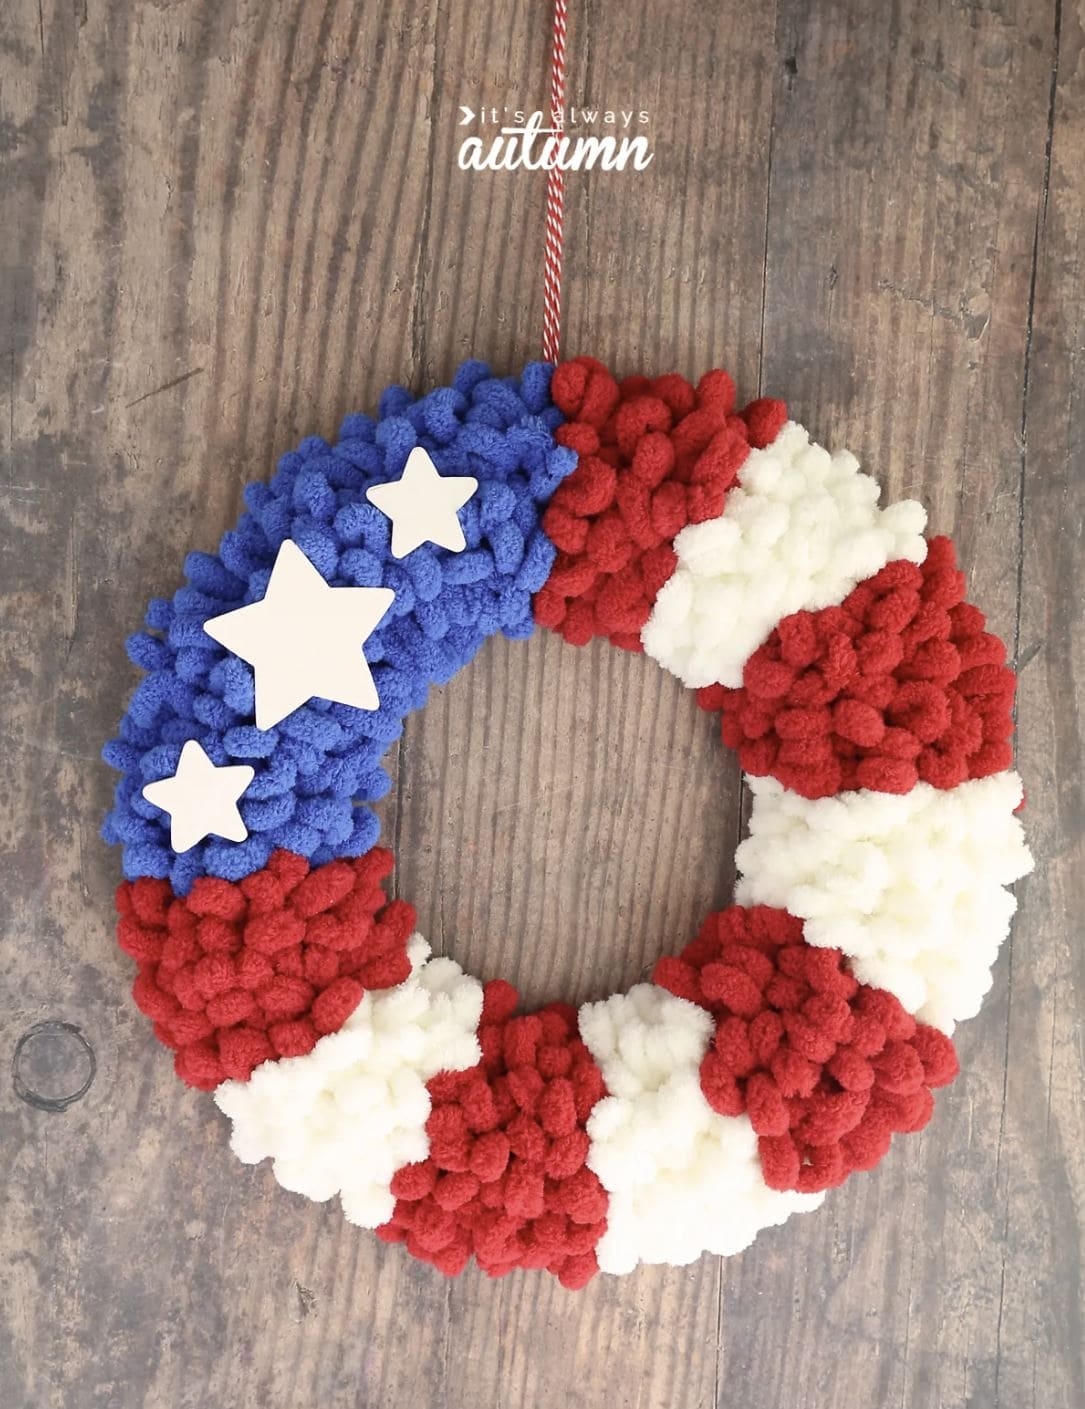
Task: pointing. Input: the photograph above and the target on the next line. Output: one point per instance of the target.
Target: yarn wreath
(789, 1041)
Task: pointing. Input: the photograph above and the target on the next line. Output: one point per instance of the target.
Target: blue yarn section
(313, 767)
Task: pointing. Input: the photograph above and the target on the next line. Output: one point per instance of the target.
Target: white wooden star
(201, 799)
(423, 505)
(304, 639)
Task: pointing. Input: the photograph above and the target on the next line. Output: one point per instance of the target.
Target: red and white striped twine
(555, 195)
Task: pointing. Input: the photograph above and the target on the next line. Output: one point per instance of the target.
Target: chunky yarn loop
(783, 1047)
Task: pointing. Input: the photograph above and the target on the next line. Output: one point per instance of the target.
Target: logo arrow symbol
(468, 116)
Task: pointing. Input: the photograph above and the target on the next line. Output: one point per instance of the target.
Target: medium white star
(304, 639)
(201, 799)
(423, 505)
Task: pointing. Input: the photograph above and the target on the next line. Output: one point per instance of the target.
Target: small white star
(201, 799)
(304, 639)
(423, 505)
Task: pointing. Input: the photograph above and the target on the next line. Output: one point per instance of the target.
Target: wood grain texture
(227, 224)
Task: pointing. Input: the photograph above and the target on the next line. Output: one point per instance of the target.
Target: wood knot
(53, 1066)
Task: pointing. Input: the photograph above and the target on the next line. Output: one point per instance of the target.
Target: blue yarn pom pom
(316, 765)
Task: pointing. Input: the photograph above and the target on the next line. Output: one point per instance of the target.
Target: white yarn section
(343, 1118)
(682, 1180)
(799, 533)
(910, 887)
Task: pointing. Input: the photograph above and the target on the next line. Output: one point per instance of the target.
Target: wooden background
(224, 224)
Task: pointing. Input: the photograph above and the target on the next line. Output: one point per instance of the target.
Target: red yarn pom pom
(827, 1069)
(653, 456)
(899, 684)
(238, 974)
(506, 1179)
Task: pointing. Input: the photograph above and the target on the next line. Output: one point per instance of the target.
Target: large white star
(423, 505)
(201, 799)
(304, 639)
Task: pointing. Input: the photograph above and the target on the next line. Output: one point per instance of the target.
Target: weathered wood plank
(1041, 1165)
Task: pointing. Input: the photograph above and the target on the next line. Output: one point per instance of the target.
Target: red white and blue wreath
(802, 1028)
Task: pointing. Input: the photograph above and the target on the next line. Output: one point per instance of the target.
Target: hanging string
(555, 196)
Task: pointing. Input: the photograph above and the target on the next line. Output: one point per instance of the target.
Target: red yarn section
(899, 684)
(828, 1069)
(237, 973)
(505, 1179)
(654, 456)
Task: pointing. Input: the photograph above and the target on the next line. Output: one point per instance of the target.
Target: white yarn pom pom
(909, 886)
(682, 1180)
(343, 1118)
(799, 533)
